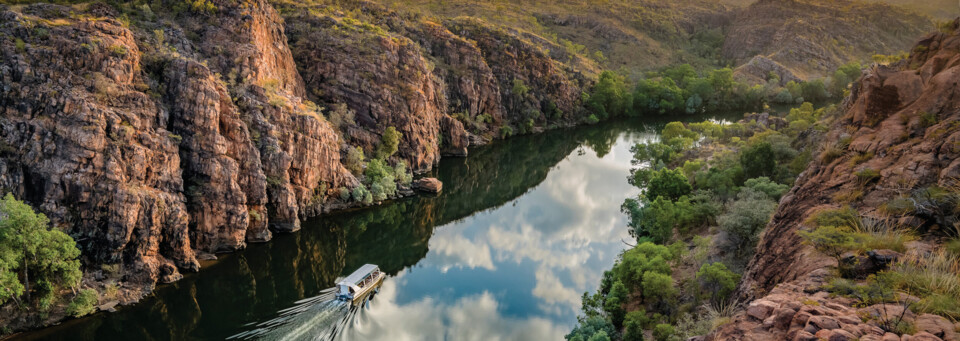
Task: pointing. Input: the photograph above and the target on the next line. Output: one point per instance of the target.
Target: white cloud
(454, 250)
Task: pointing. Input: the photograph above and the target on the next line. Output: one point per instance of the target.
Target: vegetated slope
(630, 35)
(807, 39)
(899, 139)
(797, 38)
(938, 9)
(158, 136)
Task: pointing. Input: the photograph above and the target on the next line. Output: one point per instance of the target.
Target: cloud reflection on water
(555, 241)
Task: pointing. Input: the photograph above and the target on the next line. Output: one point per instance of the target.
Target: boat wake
(322, 317)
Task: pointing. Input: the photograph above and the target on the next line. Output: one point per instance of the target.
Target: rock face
(437, 84)
(908, 117)
(192, 133)
(147, 156)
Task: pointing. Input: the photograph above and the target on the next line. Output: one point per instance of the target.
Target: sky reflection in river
(515, 272)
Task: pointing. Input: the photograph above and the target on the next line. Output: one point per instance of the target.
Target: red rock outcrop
(908, 117)
(87, 148)
(146, 155)
(382, 77)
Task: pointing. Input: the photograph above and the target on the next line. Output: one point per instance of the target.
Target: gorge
(165, 136)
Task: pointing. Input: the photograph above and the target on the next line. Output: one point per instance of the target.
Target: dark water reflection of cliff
(522, 228)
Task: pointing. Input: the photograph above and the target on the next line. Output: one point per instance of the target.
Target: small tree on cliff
(33, 253)
(390, 143)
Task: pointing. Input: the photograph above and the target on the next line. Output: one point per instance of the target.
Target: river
(522, 228)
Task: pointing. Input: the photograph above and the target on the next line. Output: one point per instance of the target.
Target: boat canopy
(358, 276)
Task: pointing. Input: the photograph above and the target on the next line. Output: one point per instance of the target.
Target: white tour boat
(360, 283)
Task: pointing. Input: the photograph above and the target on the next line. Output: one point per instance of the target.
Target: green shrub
(592, 119)
(389, 143)
(655, 220)
(717, 281)
(344, 193)
(721, 181)
(400, 172)
(663, 332)
(746, 217)
(380, 178)
(831, 240)
(84, 303)
(616, 299)
(589, 327)
(766, 186)
(655, 153)
(505, 132)
(341, 116)
(361, 194)
(634, 323)
(645, 257)
(758, 160)
(658, 289)
(897, 206)
(667, 183)
(355, 160)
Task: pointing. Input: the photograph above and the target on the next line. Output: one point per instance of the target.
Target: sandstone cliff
(156, 137)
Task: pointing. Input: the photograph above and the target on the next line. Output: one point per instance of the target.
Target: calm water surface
(523, 227)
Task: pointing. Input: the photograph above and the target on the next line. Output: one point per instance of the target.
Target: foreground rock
(798, 311)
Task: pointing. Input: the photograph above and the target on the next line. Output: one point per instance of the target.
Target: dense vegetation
(39, 268)
(708, 189)
(684, 90)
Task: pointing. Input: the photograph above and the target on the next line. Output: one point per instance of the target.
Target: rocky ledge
(800, 311)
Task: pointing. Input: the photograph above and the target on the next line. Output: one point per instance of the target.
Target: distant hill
(807, 38)
(937, 9)
(812, 37)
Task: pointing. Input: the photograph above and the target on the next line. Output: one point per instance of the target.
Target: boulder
(936, 326)
(804, 336)
(761, 309)
(783, 317)
(109, 306)
(428, 185)
(921, 336)
(822, 322)
(890, 337)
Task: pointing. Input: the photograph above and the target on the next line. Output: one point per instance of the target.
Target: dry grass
(935, 278)
(882, 233)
